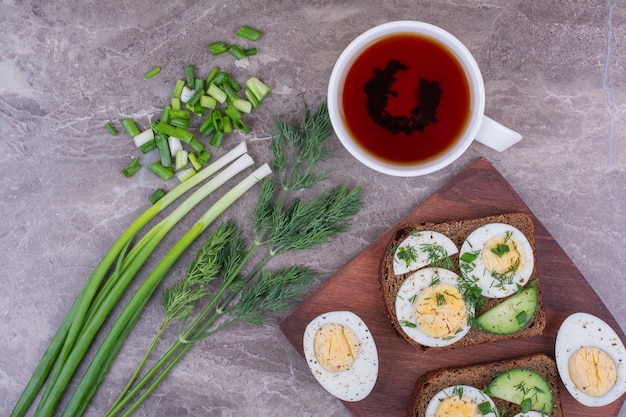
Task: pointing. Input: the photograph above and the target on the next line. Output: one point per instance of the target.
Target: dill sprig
(281, 224)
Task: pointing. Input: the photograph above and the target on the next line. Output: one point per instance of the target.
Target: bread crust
(458, 231)
(479, 376)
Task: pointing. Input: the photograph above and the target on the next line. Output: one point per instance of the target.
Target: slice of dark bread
(480, 376)
(458, 231)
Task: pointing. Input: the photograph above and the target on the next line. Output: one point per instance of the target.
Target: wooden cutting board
(479, 190)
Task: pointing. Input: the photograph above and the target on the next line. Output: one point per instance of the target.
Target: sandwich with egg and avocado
(463, 282)
(523, 386)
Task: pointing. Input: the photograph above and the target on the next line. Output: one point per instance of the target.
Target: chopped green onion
(216, 140)
(242, 105)
(183, 134)
(174, 145)
(148, 146)
(203, 157)
(249, 33)
(215, 92)
(220, 78)
(178, 88)
(176, 103)
(143, 137)
(212, 75)
(252, 98)
(186, 94)
(208, 102)
(232, 82)
(130, 127)
(164, 128)
(165, 113)
(249, 51)
(257, 88)
(154, 71)
(218, 123)
(231, 94)
(236, 51)
(111, 128)
(232, 112)
(191, 79)
(165, 173)
(163, 149)
(194, 161)
(196, 145)
(181, 158)
(241, 126)
(132, 167)
(227, 125)
(185, 174)
(156, 195)
(195, 97)
(217, 48)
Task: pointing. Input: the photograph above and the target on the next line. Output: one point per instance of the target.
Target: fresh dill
(437, 255)
(220, 278)
(408, 254)
(440, 299)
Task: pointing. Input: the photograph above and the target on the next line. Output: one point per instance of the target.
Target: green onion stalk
(71, 326)
(281, 225)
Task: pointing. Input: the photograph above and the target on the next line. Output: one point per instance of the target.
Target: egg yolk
(456, 406)
(336, 347)
(440, 310)
(501, 255)
(592, 371)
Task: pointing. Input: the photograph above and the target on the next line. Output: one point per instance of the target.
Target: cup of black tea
(407, 98)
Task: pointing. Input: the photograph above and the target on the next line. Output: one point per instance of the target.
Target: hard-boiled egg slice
(431, 309)
(499, 257)
(419, 249)
(585, 331)
(342, 355)
(461, 400)
(531, 414)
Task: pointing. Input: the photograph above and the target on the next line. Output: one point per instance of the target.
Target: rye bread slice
(458, 231)
(479, 376)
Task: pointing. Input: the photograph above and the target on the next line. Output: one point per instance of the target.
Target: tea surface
(406, 99)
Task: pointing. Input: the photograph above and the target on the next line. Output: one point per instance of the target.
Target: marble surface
(553, 70)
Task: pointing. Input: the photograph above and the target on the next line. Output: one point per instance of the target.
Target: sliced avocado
(522, 385)
(511, 315)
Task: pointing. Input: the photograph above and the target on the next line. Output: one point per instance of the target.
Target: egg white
(530, 414)
(491, 287)
(416, 240)
(585, 330)
(405, 310)
(467, 391)
(355, 383)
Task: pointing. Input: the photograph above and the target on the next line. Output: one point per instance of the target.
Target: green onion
(208, 102)
(132, 167)
(165, 113)
(217, 48)
(130, 127)
(154, 71)
(249, 33)
(215, 92)
(111, 128)
(174, 145)
(236, 51)
(143, 137)
(241, 126)
(227, 124)
(163, 172)
(257, 88)
(156, 195)
(184, 174)
(68, 331)
(165, 128)
(231, 94)
(212, 75)
(242, 105)
(181, 158)
(220, 78)
(232, 111)
(203, 157)
(249, 52)
(178, 88)
(163, 149)
(175, 103)
(194, 161)
(216, 116)
(148, 146)
(216, 140)
(110, 346)
(191, 79)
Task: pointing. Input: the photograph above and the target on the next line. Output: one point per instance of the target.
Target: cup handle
(495, 135)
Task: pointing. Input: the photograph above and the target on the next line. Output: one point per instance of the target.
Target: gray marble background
(554, 71)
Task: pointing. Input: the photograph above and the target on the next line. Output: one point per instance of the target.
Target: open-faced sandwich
(521, 387)
(463, 282)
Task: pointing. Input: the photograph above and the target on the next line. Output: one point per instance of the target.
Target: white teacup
(476, 127)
